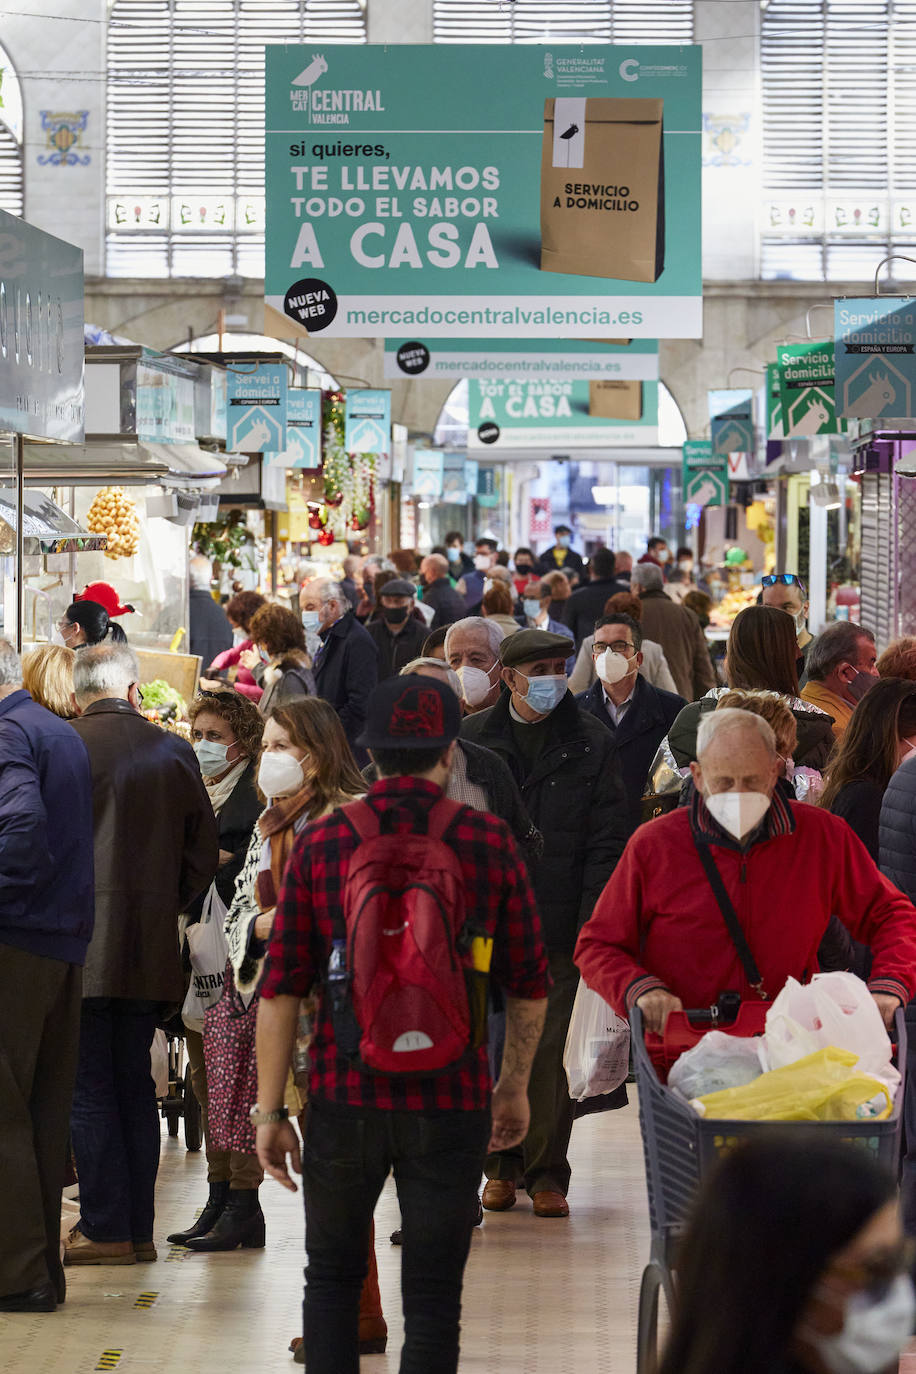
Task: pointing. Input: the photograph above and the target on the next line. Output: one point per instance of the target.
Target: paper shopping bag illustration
(615, 400)
(603, 188)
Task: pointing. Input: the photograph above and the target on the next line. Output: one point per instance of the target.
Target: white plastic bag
(597, 1053)
(159, 1062)
(719, 1061)
(833, 1009)
(209, 951)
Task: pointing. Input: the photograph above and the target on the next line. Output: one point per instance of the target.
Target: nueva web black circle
(311, 302)
(488, 433)
(413, 358)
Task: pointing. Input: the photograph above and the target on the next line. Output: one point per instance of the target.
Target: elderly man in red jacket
(662, 938)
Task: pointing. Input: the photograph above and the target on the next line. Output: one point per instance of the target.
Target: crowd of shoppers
(455, 735)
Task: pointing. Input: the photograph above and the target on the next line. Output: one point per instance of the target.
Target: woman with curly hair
(227, 667)
(279, 660)
(226, 732)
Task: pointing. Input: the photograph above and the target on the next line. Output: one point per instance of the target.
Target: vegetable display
(158, 696)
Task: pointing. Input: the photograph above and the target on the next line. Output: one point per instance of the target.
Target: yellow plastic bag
(823, 1086)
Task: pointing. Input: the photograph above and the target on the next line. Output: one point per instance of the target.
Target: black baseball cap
(414, 712)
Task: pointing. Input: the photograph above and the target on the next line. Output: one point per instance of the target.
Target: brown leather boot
(373, 1329)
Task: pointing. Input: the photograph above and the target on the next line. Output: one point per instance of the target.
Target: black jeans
(437, 1162)
(115, 1121)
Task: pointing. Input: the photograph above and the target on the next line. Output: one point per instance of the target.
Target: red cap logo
(418, 713)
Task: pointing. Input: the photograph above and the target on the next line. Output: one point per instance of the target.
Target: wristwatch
(259, 1118)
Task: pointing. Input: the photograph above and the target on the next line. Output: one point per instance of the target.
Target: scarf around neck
(278, 825)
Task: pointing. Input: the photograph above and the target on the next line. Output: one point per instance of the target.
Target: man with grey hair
(46, 915)
(842, 666)
(346, 664)
(718, 896)
(677, 630)
(156, 849)
(209, 631)
(472, 650)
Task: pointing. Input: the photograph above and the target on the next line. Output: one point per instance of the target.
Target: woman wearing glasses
(794, 1263)
(226, 730)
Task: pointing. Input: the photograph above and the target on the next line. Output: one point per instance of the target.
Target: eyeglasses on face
(619, 646)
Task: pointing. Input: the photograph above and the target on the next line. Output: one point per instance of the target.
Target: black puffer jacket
(574, 795)
(897, 833)
(815, 731)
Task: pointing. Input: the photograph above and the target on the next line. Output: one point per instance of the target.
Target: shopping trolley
(679, 1146)
(181, 1104)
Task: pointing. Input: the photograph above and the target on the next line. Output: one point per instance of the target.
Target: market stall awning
(92, 464)
(46, 529)
(100, 461)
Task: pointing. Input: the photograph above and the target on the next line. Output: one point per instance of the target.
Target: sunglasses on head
(784, 579)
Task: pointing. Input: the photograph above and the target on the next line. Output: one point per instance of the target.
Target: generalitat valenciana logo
(324, 105)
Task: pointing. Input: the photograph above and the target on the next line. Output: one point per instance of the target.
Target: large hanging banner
(368, 422)
(421, 192)
(626, 360)
(875, 358)
(510, 413)
(256, 406)
(731, 421)
(705, 476)
(806, 386)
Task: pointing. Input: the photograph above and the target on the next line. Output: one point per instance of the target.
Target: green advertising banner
(630, 360)
(731, 421)
(775, 428)
(504, 191)
(512, 413)
(705, 474)
(806, 388)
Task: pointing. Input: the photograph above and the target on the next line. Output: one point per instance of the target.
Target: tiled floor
(540, 1297)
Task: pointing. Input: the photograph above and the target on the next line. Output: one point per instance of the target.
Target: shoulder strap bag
(732, 924)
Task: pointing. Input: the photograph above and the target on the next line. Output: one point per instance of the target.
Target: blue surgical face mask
(454, 553)
(311, 621)
(544, 693)
(563, 541)
(212, 757)
(531, 608)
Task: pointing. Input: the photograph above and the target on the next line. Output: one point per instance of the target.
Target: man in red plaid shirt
(433, 1131)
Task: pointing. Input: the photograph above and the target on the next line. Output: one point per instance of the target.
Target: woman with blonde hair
(47, 674)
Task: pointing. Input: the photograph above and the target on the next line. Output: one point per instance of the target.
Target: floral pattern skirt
(232, 1069)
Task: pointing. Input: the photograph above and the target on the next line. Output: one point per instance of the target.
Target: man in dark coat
(564, 763)
(438, 592)
(46, 916)
(637, 714)
(209, 631)
(346, 665)
(560, 555)
(156, 849)
(397, 634)
(587, 603)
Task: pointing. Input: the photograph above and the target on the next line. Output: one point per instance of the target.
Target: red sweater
(658, 925)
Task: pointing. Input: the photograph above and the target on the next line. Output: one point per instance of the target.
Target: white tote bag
(209, 951)
(597, 1053)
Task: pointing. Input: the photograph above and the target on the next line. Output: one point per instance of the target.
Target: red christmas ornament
(335, 500)
(314, 520)
(326, 537)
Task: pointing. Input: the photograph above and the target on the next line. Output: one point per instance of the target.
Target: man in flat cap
(570, 781)
(397, 633)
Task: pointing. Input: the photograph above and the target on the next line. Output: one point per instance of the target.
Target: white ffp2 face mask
(738, 812)
(873, 1334)
(612, 668)
(475, 684)
(279, 775)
